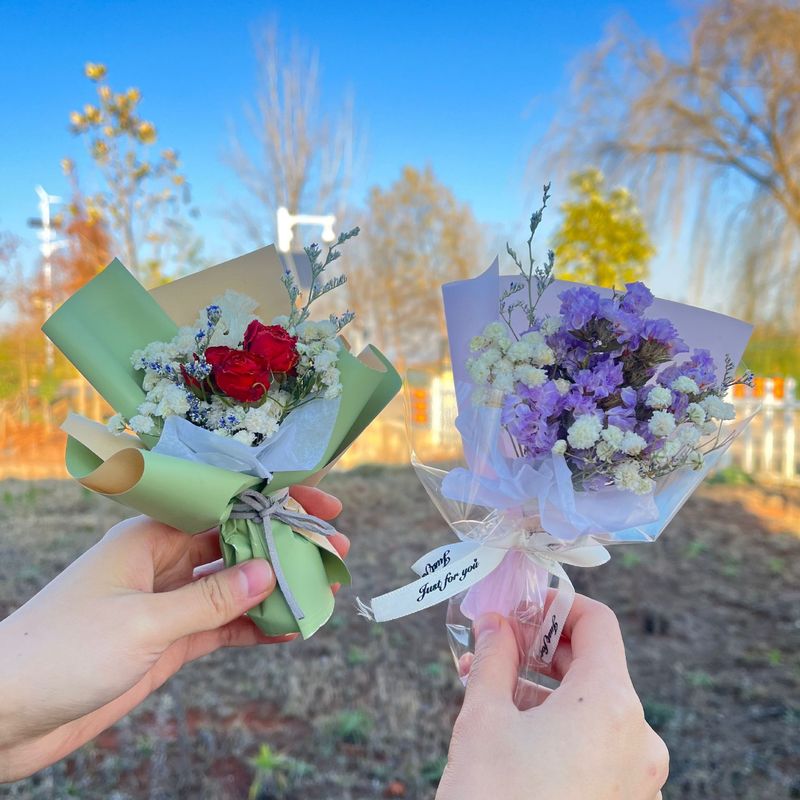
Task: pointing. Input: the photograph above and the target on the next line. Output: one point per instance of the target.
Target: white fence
(767, 447)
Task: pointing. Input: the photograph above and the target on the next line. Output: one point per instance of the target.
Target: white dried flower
(632, 443)
(605, 451)
(173, 401)
(116, 424)
(532, 338)
(262, 419)
(245, 437)
(696, 413)
(563, 385)
(550, 325)
(495, 332)
(613, 436)
(478, 343)
(504, 383)
(142, 424)
(628, 477)
(689, 434)
(479, 372)
(520, 351)
(685, 385)
(717, 408)
(490, 357)
(529, 375)
(543, 355)
(237, 312)
(560, 447)
(658, 397)
(662, 423)
(584, 432)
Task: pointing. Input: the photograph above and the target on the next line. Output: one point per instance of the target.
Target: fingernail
(258, 576)
(486, 624)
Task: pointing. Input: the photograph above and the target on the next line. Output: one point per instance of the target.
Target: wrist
(12, 701)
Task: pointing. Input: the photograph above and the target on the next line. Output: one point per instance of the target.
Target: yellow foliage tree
(602, 239)
(145, 197)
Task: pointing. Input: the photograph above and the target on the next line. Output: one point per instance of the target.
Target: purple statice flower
(578, 306)
(670, 374)
(680, 402)
(579, 403)
(627, 325)
(701, 368)
(637, 299)
(569, 353)
(664, 332)
(532, 417)
(624, 416)
(601, 380)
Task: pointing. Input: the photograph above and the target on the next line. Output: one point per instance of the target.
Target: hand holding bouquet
(587, 418)
(231, 397)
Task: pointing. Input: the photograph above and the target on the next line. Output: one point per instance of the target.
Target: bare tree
(302, 158)
(710, 137)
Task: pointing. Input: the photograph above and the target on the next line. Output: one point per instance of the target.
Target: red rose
(243, 376)
(274, 344)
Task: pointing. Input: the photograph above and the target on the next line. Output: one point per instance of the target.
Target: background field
(711, 617)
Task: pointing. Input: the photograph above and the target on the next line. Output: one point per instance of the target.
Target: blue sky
(466, 87)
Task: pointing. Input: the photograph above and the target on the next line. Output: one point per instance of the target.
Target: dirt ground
(710, 613)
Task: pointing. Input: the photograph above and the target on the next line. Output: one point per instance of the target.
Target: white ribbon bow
(451, 569)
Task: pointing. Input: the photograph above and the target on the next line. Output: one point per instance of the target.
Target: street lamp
(287, 221)
(48, 245)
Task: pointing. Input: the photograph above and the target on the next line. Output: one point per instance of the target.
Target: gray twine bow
(260, 508)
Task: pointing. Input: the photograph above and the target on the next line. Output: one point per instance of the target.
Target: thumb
(493, 675)
(214, 600)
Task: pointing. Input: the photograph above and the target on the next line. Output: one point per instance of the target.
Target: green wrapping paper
(99, 328)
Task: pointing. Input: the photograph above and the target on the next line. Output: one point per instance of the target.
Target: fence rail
(767, 447)
(766, 450)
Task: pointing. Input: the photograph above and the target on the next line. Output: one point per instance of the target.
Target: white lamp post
(287, 221)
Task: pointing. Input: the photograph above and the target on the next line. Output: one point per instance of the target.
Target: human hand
(115, 625)
(586, 740)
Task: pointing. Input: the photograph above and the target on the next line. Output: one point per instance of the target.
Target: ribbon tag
(451, 570)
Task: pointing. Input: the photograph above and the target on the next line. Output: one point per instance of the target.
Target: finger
(242, 632)
(657, 760)
(493, 673)
(341, 543)
(595, 637)
(316, 502)
(212, 601)
(204, 548)
(559, 666)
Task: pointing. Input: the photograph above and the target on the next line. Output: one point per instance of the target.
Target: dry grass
(711, 616)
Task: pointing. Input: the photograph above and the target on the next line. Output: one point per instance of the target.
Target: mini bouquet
(231, 393)
(587, 418)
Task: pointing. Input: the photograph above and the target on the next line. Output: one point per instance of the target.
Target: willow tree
(710, 132)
